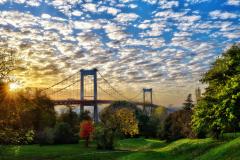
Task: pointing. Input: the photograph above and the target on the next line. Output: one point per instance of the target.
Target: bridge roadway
(86, 102)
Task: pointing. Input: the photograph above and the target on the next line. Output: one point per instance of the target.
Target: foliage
(86, 129)
(71, 118)
(126, 121)
(24, 113)
(11, 136)
(152, 126)
(46, 136)
(85, 116)
(104, 137)
(218, 110)
(178, 125)
(115, 121)
(123, 104)
(63, 134)
(121, 120)
(188, 104)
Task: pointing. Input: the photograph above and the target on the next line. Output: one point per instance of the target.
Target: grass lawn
(131, 149)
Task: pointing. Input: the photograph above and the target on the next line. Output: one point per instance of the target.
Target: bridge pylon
(145, 104)
(83, 73)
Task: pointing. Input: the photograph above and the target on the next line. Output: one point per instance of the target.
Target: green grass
(132, 149)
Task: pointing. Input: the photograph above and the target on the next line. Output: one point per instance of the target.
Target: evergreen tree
(188, 104)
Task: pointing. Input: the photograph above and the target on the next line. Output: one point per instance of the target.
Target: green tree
(188, 104)
(152, 125)
(218, 111)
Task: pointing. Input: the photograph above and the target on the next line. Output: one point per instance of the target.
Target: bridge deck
(86, 102)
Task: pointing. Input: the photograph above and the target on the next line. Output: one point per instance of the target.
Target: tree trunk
(87, 142)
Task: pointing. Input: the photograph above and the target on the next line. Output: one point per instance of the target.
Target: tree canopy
(218, 111)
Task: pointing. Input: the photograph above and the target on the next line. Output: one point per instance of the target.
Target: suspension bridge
(91, 88)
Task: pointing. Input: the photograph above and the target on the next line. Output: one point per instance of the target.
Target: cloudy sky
(164, 44)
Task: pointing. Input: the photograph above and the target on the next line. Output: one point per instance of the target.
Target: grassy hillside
(131, 149)
(227, 151)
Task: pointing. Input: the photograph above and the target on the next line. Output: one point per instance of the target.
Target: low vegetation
(132, 149)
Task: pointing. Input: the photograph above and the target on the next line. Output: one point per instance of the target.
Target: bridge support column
(93, 73)
(147, 90)
(81, 91)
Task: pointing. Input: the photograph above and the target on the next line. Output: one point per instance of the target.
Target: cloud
(168, 4)
(233, 2)
(90, 7)
(161, 44)
(45, 16)
(217, 14)
(126, 17)
(109, 10)
(86, 25)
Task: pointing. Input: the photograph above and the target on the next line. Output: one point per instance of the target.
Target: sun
(14, 86)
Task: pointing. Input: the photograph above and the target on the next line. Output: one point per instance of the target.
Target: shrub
(11, 136)
(64, 134)
(46, 136)
(30, 135)
(104, 137)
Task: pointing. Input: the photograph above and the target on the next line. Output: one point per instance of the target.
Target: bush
(61, 134)
(46, 136)
(104, 137)
(64, 134)
(10, 136)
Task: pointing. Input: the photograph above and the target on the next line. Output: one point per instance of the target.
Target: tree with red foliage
(86, 129)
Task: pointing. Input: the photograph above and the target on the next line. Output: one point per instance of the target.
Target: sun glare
(14, 86)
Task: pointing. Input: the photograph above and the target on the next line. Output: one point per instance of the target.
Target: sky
(163, 44)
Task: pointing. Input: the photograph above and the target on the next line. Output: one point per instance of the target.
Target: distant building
(198, 94)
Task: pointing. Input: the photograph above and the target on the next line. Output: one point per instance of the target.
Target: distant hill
(172, 109)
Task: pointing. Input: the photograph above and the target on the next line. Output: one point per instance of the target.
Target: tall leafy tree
(218, 111)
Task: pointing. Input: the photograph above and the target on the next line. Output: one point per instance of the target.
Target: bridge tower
(147, 107)
(83, 73)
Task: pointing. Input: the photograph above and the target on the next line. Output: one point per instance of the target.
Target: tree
(152, 125)
(188, 104)
(23, 112)
(178, 125)
(85, 116)
(86, 130)
(218, 111)
(115, 121)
